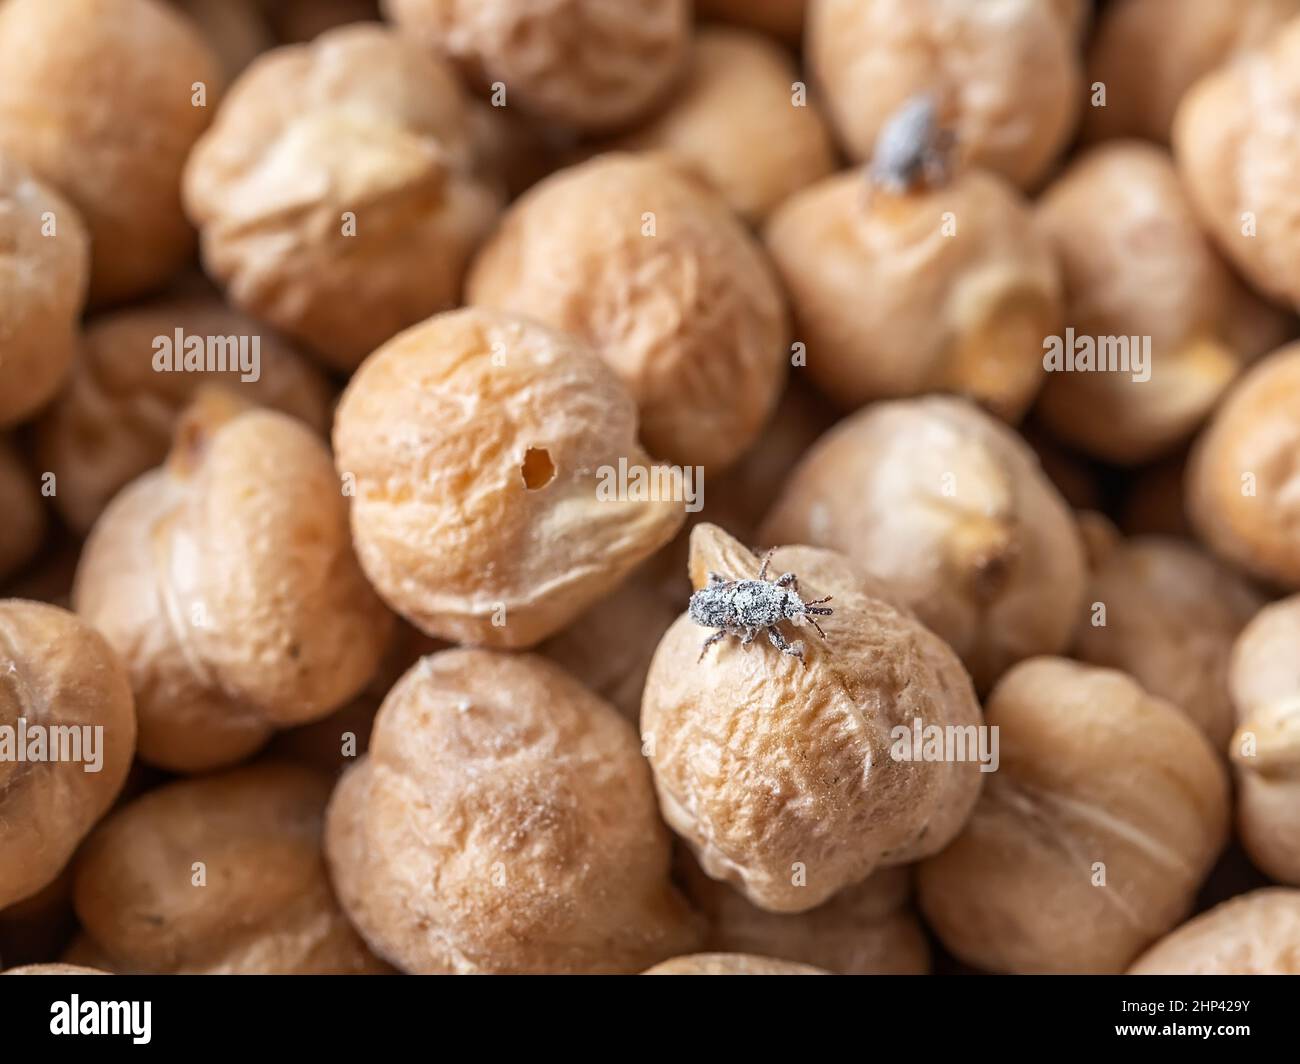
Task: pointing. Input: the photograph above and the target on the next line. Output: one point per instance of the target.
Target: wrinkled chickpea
(1166, 612)
(962, 287)
(226, 581)
(477, 836)
(43, 274)
(951, 510)
(585, 64)
(780, 18)
(1265, 684)
(475, 442)
(24, 522)
(1236, 151)
(1148, 53)
(648, 265)
(1137, 265)
(1252, 934)
(82, 80)
(866, 929)
(1241, 495)
(777, 772)
(730, 964)
(1008, 74)
(1107, 811)
(736, 122)
(115, 419)
(219, 875)
(336, 194)
(55, 672)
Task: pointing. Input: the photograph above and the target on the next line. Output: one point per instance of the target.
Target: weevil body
(743, 608)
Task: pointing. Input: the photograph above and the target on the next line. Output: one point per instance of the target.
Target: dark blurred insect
(744, 608)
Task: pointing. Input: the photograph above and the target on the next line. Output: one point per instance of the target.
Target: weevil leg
(709, 642)
(762, 569)
(795, 650)
(716, 578)
(788, 580)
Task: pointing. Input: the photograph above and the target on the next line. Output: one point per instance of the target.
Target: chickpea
(736, 122)
(475, 442)
(1241, 496)
(1008, 73)
(1236, 154)
(779, 18)
(60, 58)
(115, 419)
(866, 929)
(1138, 269)
(218, 875)
(55, 673)
(1090, 841)
(336, 194)
(43, 275)
(951, 510)
(1148, 53)
(24, 523)
(479, 834)
(585, 64)
(227, 582)
(1166, 613)
(650, 267)
(1252, 934)
(778, 773)
(919, 288)
(730, 964)
(1264, 680)
(52, 969)
(237, 30)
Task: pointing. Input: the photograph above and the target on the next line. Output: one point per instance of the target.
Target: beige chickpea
(1166, 612)
(1236, 154)
(1241, 494)
(930, 287)
(478, 444)
(503, 822)
(1265, 684)
(866, 929)
(43, 274)
(737, 121)
(84, 80)
(1252, 934)
(336, 194)
(1148, 53)
(115, 419)
(1090, 841)
(730, 964)
(60, 684)
(227, 582)
(1139, 272)
(221, 875)
(23, 527)
(650, 267)
(778, 772)
(950, 509)
(780, 18)
(580, 63)
(1008, 74)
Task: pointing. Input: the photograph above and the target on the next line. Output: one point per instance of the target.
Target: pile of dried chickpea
(369, 672)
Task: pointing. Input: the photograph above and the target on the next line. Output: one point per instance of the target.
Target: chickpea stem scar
(743, 608)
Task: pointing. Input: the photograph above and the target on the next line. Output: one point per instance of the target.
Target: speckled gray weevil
(911, 147)
(743, 608)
